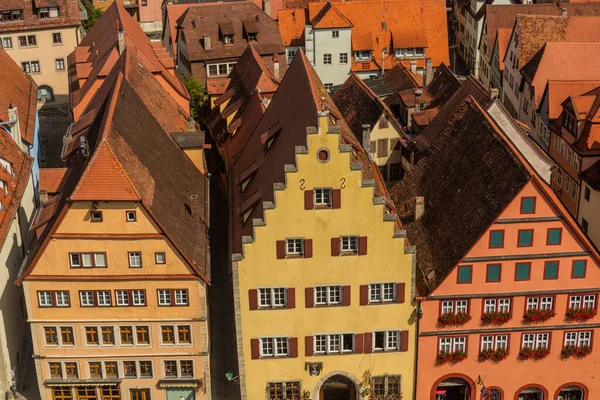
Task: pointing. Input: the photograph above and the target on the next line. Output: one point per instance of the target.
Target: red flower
(452, 358)
(536, 354)
(459, 318)
(581, 314)
(538, 315)
(494, 355)
(576, 351)
(496, 318)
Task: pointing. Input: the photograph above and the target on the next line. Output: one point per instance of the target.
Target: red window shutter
(280, 249)
(337, 198)
(362, 246)
(368, 342)
(309, 300)
(308, 200)
(308, 248)
(291, 297)
(335, 246)
(359, 343)
(404, 341)
(253, 299)
(346, 296)
(308, 346)
(364, 295)
(254, 349)
(401, 292)
(293, 347)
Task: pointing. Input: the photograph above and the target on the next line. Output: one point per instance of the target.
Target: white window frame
(273, 341)
(349, 244)
(86, 298)
(141, 295)
(100, 294)
(64, 301)
(135, 259)
(45, 298)
(327, 59)
(164, 297)
(323, 197)
(271, 294)
(330, 295)
(535, 340)
(182, 297)
(388, 336)
(334, 343)
(378, 291)
(119, 298)
(363, 55)
(294, 246)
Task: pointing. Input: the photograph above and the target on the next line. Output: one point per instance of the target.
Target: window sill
(382, 303)
(291, 256)
(344, 353)
(348, 253)
(322, 207)
(328, 305)
(263, 308)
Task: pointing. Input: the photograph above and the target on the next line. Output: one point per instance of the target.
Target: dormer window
(228, 39)
(362, 55)
(252, 37)
(417, 52)
(48, 12)
(11, 15)
(569, 122)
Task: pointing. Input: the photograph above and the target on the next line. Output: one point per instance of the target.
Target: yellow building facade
(323, 289)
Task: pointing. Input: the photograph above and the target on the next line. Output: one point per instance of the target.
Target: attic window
(11, 15)
(410, 52)
(228, 39)
(48, 12)
(362, 55)
(252, 37)
(96, 216)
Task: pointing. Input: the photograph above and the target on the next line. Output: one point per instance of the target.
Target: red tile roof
(68, 15)
(559, 91)
(172, 13)
(329, 17)
(291, 26)
(20, 90)
(52, 179)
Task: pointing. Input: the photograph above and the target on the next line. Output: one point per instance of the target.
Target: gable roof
(132, 158)
(52, 179)
(329, 17)
(442, 86)
(462, 189)
(68, 15)
(98, 52)
(237, 18)
(18, 89)
(172, 12)
(291, 26)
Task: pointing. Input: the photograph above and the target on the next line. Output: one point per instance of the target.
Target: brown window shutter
(382, 148)
(368, 342)
(293, 347)
(372, 146)
(291, 297)
(309, 299)
(364, 295)
(308, 248)
(401, 292)
(308, 200)
(337, 198)
(253, 299)
(254, 349)
(335, 246)
(280, 249)
(346, 296)
(404, 341)
(359, 340)
(308, 346)
(362, 245)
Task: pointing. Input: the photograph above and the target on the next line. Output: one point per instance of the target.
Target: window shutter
(337, 198)
(308, 346)
(280, 249)
(401, 292)
(308, 200)
(253, 299)
(359, 340)
(293, 347)
(382, 148)
(309, 300)
(368, 342)
(404, 341)
(364, 295)
(291, 297)
(254, 349)
(335, 246)
(372, 146)
(308, 251)
(346, 296)
(362, 246)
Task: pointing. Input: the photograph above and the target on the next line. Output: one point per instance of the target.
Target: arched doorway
(571, 392)
(531, 393)
(492, 394)
(338, 387)
(454, 388)
(45, 93)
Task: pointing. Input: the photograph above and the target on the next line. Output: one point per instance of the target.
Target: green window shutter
(551, 270)
(527, 205)
(493, 273)
(554, 235)
(578, 269)
(525, 238)
(464, 274)
(496, 239)
(522, 273)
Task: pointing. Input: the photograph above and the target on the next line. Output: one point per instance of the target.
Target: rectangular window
(252, 37)
(145, 369)
(126, 335)
(382, 292)
(71, 370)
(584, 225)
(527, 205)
(108, 336)
(159, 258)
(181, 297)
(343, 58)
(91, 335)
(66, 336)
(349, 244)
(493, 272)
(55, 370)
(103, 297)
(586, 194)
(386, 341)
(525, 238)
(535, 340)
(111, 370)
(290, 55)
(86, 298)
(272, 297)
(294, 247)
(168, 334)
(494, 342)
(164, 297)
(551, 270)
(335, 34)
(283, 390)
(129, 369)
(62, 299)
(328, 295)
(96, 216)
(142, 334)
(7, 43)
(95, 369)
(554, 236)
(139, 297)
(387, 385)
(540, 303)
(87, 260)
(171, 369)
(45, 299)
(60, 64)
(51, 336)
(578, 270)
(323, 198)
(57, 38)
(586, 301)
(122, 297)
(579, 339)
(465, 273)
(559, 177)
(274, 347)
(135, 259)
(326, 59)
(522, 271)
(453, 344)
(184, 334)
(335, 343)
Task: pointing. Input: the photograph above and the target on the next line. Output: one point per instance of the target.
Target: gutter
(418, 300)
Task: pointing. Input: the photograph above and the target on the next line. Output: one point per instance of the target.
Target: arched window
(573, 392)
(45, 93)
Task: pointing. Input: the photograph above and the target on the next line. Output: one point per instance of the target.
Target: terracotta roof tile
(330, 17)
(291, 26)
(69, 15)
(52, 179)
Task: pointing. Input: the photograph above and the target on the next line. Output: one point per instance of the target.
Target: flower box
(454, 319)
(496, 318)
(538, 315)
(535, 354)
(576, 351)
(452, 358)
(581, 314)
(389, 396)
(493, 355)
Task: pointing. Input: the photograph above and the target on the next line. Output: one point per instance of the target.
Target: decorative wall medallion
(314, 368)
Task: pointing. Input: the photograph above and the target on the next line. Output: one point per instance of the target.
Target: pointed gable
(330, 17)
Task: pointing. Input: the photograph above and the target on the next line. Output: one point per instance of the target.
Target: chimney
(419, 207)
(366, 139)
(428, 73)
(191, 125)
(493, 93)
(563, 12)
(413, 67)
(15, 126)
(418, 93)
(267, 7)
(43, 197)
(207, 43)
(121, 40)
(276, 68)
